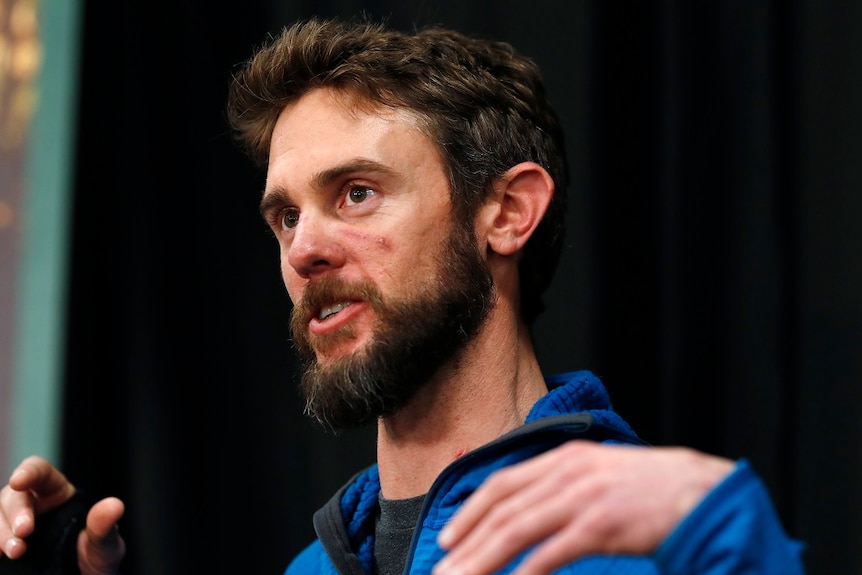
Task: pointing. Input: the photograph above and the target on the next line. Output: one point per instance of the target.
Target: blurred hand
(582, 498)
(36, 487)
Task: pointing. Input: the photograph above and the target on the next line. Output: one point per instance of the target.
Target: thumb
(101, 548)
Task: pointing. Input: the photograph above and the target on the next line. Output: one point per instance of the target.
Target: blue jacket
(734, 530)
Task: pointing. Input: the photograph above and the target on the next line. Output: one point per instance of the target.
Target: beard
(412, 339)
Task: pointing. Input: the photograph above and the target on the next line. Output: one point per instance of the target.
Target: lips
(330, 305)
(331, 310)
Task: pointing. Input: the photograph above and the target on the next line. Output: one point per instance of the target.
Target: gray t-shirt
(393, 533)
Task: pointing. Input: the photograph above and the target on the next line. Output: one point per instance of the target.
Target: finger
(16, 521)
(100, 546)
(102, 518)
(618, 517)
(587, 534)
(497, 546)
(49, 487)
(499, 487)
(557, 486)
(11, 545)
(560, 549)
(509, 529)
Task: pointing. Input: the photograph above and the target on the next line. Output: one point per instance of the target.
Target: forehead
(326, 123)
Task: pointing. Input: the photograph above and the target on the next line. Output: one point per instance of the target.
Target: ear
(521, 198)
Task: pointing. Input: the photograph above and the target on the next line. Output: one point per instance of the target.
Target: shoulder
(735, 528)
(312, 559)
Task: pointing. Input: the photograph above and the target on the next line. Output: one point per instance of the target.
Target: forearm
(735, 530)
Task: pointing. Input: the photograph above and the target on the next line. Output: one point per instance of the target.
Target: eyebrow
(275, 197)
(279, 196)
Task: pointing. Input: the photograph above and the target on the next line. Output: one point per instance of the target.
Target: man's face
(386, 287)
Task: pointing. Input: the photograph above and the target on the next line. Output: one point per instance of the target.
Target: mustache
(330, 290)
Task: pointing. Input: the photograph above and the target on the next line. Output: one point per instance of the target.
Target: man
(416, 187)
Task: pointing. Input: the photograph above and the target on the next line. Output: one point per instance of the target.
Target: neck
(482, 394)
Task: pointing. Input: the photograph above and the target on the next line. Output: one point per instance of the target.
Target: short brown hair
(482, 103)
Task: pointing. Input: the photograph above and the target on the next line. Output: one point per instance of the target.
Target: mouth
(330, 307)
(332, 319)
(330, 310)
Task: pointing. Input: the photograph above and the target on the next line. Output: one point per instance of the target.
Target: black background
(711, 277)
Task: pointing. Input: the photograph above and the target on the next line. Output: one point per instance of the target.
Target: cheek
(292, 282)
(384, 244)
(368, 247)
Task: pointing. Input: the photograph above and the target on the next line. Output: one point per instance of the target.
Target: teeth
(332, 310)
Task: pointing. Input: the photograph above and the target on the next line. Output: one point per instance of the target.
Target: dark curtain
(711, 275)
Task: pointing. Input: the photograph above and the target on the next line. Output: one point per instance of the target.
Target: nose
(314, 248)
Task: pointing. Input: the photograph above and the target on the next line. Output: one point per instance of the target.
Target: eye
(289, 218)
(358, 194)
